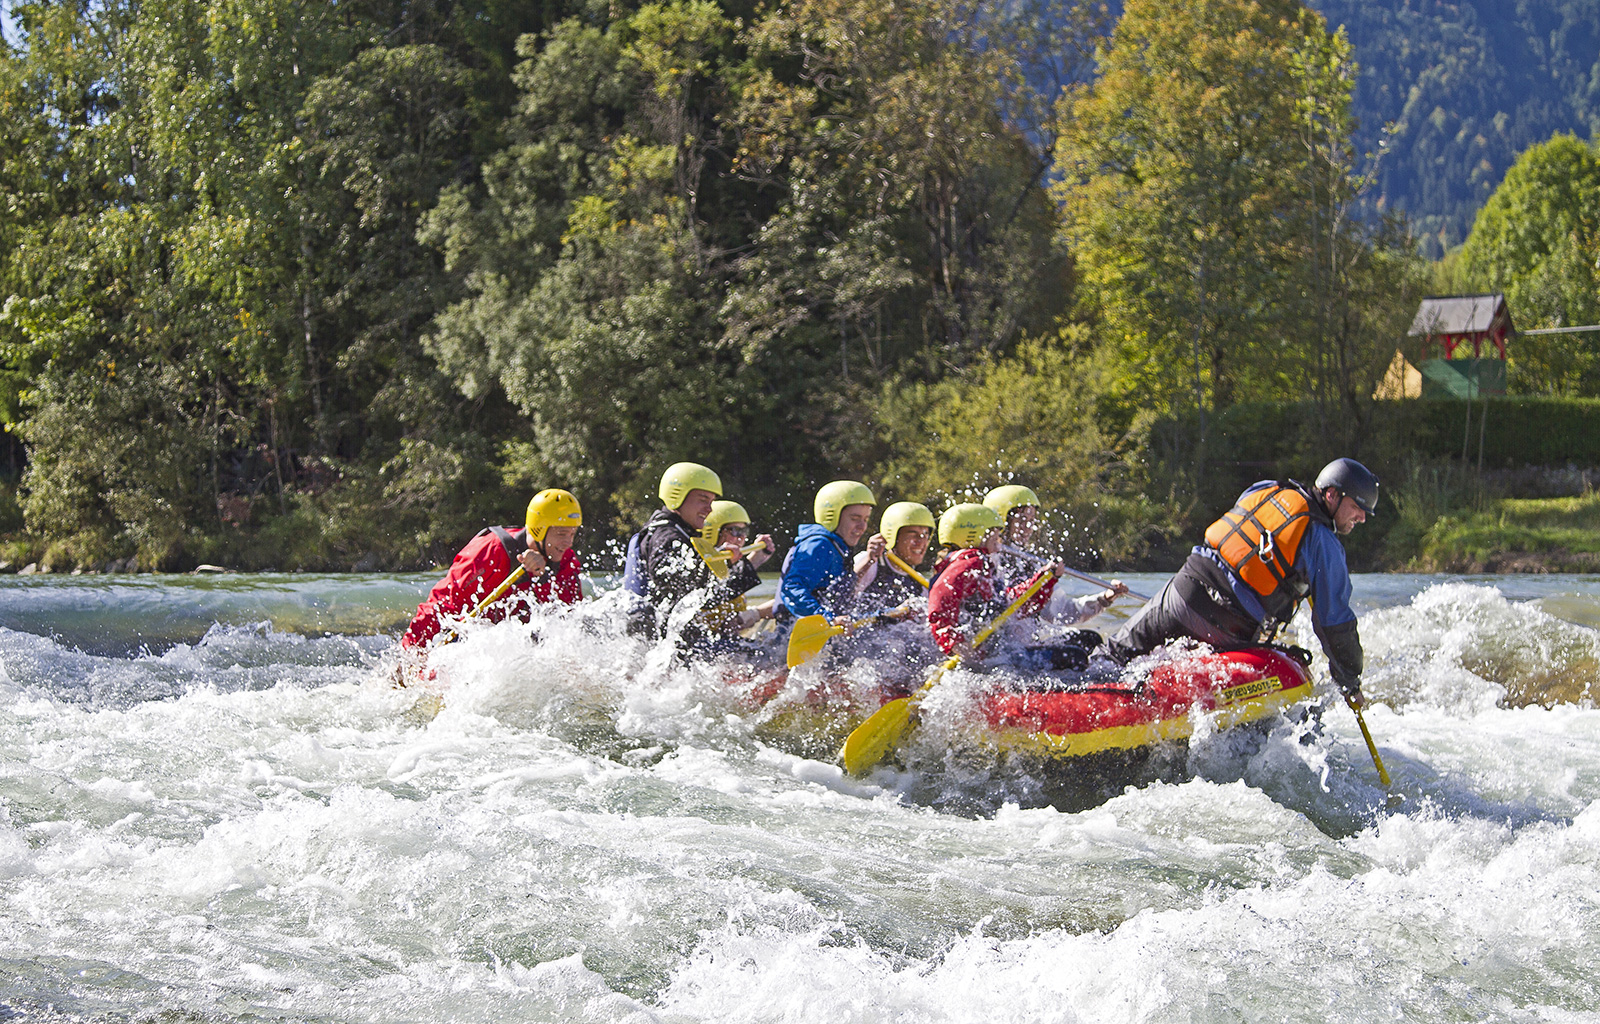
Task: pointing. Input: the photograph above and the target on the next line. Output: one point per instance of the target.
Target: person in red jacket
(970, 592)
(540, 554)
(973, 590)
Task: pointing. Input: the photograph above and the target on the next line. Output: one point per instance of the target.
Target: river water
(214, 807)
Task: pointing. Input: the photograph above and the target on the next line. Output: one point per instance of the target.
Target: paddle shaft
(900, 563)
(498, 592)
(1372, 748)
(1085, 577)
(810, 633)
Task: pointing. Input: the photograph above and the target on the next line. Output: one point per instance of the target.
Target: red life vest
(1260, 540)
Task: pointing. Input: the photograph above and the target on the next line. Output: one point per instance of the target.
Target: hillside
(1462, 89)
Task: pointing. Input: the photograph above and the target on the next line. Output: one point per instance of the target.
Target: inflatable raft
(1233, 688)
(1076, 744)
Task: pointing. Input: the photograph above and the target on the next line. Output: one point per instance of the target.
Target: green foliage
(1207, 183)
(711, 239)
(1517, 432)
(1029, 418)
(1538, 240)
(211, 292)
(1450, 93)
(1425, 495)
(296, 284)
(1500, 534)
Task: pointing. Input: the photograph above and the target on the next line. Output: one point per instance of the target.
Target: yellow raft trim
(1129, 737)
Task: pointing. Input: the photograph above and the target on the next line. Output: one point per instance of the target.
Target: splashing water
(235, 816)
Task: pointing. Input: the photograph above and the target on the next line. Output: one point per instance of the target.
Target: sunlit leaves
(1537, 239)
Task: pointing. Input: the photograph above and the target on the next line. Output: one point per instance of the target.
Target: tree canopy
(1537, 239)
(296, 284)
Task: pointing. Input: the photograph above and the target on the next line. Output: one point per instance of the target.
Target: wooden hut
(1447, 325)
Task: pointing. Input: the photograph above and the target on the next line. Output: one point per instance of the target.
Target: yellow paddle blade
(808, 636)
(873, 739)
(883, 730)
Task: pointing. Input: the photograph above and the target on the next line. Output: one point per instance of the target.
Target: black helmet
(1351, 478)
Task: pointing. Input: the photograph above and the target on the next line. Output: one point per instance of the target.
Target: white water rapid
(214, 807)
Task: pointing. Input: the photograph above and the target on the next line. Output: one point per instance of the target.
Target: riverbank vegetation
(290, 285)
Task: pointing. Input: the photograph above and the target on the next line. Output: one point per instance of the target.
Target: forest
(290, 285)
(1451, 92)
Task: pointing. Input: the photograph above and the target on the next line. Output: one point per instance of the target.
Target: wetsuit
(482, 566)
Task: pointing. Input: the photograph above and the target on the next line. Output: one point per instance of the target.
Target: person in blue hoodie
(817, 577)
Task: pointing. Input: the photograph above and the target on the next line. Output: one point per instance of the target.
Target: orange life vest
(1260, 538)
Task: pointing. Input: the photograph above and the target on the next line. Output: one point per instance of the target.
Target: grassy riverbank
(1510, 535)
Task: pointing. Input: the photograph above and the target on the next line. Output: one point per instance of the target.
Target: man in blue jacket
(1277, 546)
(817, 576)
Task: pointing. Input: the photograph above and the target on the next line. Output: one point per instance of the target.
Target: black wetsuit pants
(1190, 605)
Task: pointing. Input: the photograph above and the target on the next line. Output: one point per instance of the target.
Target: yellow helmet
(900, 515)
(552, 507)
(1009, 496)
(833, 498)
(964, 525)
(683, 477)
(722, 513)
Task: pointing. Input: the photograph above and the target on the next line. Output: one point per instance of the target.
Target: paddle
(1372, 748)
(812, 632)
(874, 738)
(498, 592)
(721, 555)
(494, 596)
(1085, 577)
(900, 563)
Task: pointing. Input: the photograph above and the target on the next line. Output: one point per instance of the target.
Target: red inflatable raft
(1233, 688)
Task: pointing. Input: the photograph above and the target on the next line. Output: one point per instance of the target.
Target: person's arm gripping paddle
(881, 732)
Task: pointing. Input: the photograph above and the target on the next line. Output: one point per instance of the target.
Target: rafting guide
(1278, 545)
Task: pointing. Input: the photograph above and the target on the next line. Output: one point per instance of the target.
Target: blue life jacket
(633, 580)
